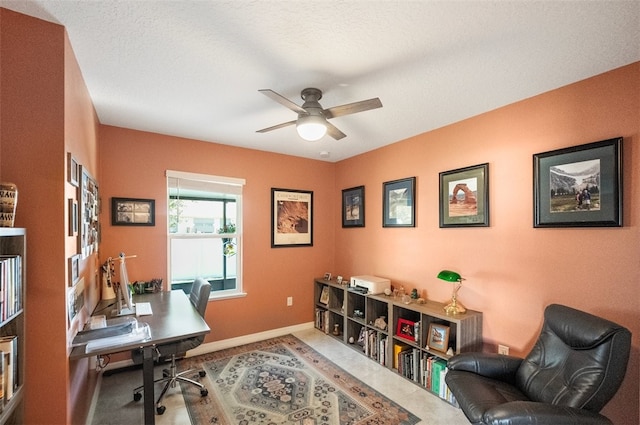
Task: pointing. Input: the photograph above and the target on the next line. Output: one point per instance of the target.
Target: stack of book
(9, 379)
(10, 286)
(424, 368)
(322, 320)
(374, 344)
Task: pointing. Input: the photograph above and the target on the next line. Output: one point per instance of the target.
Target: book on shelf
(10, 285)
(9, 347)
(1, 381)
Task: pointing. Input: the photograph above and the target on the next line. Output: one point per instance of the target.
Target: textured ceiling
(194, 68)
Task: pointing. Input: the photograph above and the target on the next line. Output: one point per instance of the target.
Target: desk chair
(199, 297)
(573, 370)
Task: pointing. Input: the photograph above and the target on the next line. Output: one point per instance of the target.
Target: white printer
(369, 284)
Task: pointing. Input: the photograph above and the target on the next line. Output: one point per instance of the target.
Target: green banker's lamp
(454, 307)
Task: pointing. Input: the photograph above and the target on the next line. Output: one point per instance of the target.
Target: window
(205, 232)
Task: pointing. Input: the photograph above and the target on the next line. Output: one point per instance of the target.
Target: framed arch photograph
(464, 197)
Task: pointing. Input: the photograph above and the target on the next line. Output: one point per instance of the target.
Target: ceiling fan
(312, 122)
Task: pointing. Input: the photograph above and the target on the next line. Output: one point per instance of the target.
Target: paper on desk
(141, 332)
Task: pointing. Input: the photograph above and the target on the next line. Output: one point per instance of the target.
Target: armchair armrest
(531, 412)
(496, 366)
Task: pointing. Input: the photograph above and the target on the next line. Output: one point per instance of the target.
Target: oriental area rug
(284, 381)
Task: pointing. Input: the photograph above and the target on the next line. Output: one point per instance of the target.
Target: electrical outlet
(289, 301)
(503, 349)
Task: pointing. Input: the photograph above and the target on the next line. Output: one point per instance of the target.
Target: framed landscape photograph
(133, 212)
(580, 186)
(398, 203)
(438, 338)
(464, 197)
(353, 207)
(291, 218)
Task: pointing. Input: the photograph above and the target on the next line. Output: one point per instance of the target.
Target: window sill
(217, 296)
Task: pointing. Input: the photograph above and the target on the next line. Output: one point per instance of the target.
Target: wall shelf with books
(12, 323)
(414, 340)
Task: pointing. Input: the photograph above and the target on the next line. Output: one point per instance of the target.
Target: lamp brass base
(454, 308)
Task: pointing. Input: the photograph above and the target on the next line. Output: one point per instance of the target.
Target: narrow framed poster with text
(291, 218)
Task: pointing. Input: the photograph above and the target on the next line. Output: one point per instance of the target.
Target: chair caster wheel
(202, 373)
(137, 397)
(204, 392)
(160, 410)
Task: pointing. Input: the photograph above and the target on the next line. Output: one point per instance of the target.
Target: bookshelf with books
(414, 340)
(12, 323)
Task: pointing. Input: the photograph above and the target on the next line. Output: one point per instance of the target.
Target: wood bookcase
(13, 243)
(350, 317)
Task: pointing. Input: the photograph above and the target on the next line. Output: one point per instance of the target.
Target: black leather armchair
(573, 370)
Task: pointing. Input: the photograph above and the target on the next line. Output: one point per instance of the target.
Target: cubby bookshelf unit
(13, 251)
(407, 354)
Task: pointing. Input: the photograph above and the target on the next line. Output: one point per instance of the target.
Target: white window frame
(219, 184)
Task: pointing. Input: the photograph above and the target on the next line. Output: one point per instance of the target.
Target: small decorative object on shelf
(8, 203)
(339, 280)
(380, 323)
(327, 276)
(454, 307)
(336, 329)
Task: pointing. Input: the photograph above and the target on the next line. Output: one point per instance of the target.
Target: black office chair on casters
(199, 297)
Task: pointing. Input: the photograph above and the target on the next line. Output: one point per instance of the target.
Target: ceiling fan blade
(333, 131)
(352, 108)
(283, 101)
(275, 127)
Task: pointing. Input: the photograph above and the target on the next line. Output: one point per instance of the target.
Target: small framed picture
(464, 197)
(133, 212)
(438, 338)
(339, 279)
(73, 170)
(324, 295)
(73, 217)
(580, 186)
(398, 203)
(353, 207)
(327, 276)
(406, 329)
(74, 269)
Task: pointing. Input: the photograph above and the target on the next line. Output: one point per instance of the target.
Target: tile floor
(429, 408)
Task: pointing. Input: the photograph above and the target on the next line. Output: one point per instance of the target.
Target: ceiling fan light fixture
(311, 127)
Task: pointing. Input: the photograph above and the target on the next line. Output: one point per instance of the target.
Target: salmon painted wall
(45, 112)
(33, 157)
(133, 165)
(81, 132)
(512, 269)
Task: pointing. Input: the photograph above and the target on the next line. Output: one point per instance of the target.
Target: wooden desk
(174, 318)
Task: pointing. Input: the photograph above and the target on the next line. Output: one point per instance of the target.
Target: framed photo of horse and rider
(578, 186)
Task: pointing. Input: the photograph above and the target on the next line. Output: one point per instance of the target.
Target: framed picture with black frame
(353, 207)
(133, 212)
(291, 218)
(399, 203)
(464, 197)
(579, 186)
